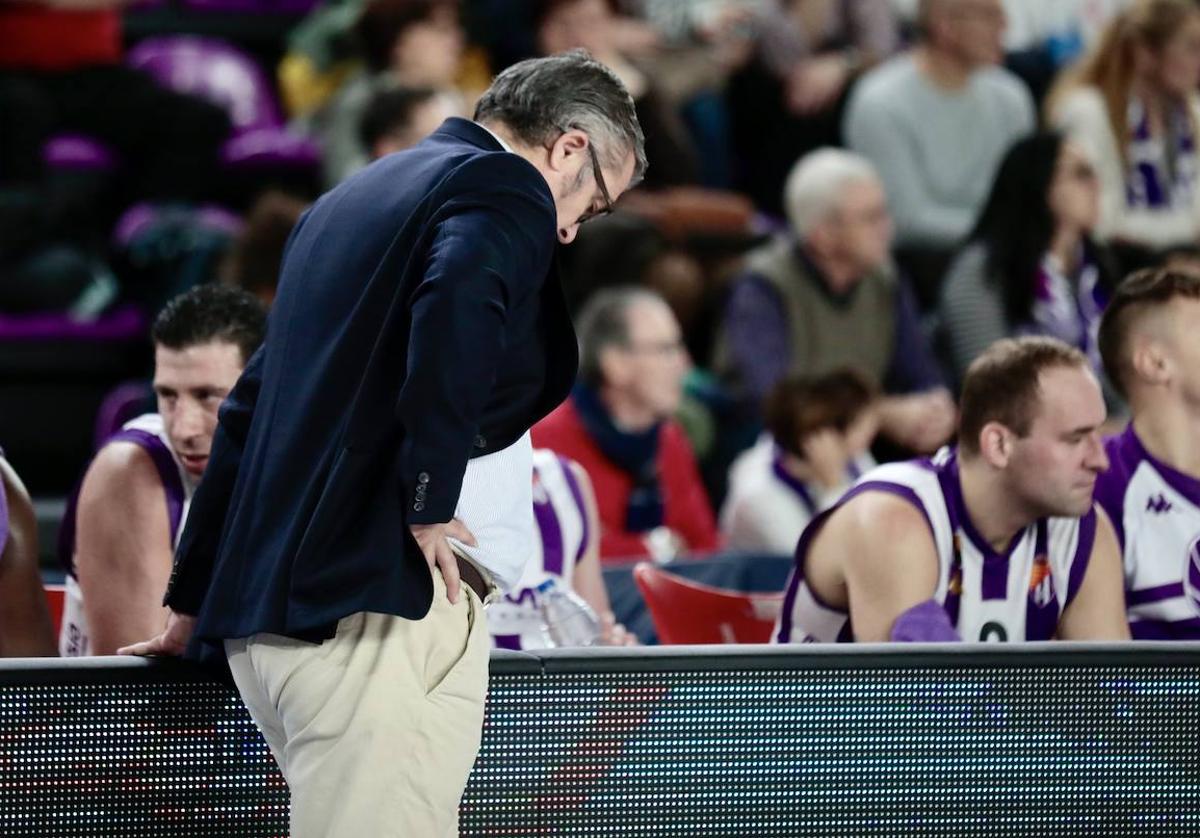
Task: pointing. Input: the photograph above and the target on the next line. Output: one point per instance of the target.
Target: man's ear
(1151, 362)
(567, 152)
(612, 366)
(995, 444)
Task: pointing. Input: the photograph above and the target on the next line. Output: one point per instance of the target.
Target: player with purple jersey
(997, 540)
(1150, 342)
(564, 510)
(120, 530)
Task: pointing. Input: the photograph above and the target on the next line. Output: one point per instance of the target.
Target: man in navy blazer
(369, 485)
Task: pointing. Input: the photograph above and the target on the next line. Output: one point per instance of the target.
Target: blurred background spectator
(825, 296)
(618, 425)
(1031, 265)
(818, 439)
(789, 98)
(936, 121)
(410, 43)
(1132, 103)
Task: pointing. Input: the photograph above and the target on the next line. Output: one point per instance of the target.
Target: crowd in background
(847, 202)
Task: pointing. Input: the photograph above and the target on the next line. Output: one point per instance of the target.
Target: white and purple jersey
(563, 537)
(1155, 511)
(147, 432)
(989, 596)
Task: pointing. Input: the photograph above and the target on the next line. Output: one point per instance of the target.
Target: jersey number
(993, 632)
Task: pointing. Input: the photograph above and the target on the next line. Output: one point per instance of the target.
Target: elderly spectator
(824, 297)
(618, 425)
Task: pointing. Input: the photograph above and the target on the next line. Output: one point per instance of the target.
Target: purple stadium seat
(140, 217)
(125, 322)
(223, 74)
(76, 151)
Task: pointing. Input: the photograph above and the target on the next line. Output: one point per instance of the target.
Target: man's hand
(920, 422)
(431, 538)
(613, 633)
(173, 640)
(816, 83)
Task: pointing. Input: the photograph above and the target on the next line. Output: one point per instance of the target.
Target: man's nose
(566, 235)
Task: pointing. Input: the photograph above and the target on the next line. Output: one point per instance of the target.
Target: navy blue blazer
(419, 322)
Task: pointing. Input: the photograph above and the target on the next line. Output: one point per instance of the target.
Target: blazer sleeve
(201, 537)
(490, 248)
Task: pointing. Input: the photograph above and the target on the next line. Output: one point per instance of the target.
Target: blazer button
(423, 477)
(480, 441)
(418, 507)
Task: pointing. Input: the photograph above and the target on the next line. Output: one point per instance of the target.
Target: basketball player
(1150, 343)
(995, 541)
(122, 527)
(568, 528)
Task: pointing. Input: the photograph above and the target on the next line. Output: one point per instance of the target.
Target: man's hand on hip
(431, 538)
(173, 640)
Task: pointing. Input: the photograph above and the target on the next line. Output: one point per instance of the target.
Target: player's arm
(1098, 610)
(888, 558)
(122, 547)
(588, 580)
(25, 626)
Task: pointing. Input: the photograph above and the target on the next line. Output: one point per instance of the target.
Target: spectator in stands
(25, 627)
(411, 43)
(1150, 337)
(568, 555)
(819, 434)
(825, 297)
(789, 99)
(133, 501)
(61, 71)
(591, 24)
(618, 425)
(1031, 266)
(1132, 103)
(998, 540)
(252, 264)
(936, 121)
(400, 117)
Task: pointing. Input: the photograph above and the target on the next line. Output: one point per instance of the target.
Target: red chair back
(56, 597)
(687, 612)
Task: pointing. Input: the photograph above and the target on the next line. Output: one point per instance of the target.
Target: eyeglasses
(599, 176)
(657, 349)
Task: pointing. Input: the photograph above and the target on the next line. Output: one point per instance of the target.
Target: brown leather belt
(470, 574)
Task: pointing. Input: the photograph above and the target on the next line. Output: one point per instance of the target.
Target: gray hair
(815, 184)
(604, 322)
(539, 98)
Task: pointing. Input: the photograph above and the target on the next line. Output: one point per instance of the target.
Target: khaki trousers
(376, 729)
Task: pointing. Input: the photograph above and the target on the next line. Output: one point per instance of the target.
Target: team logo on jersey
(1041, 582)
(1159, 505)
(1191, 574)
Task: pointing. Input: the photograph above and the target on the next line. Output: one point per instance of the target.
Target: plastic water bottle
(566, 619)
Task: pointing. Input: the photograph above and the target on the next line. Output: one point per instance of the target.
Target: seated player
(1150, 343)
(998, 540)
(131, 506)
(25, 627)
(568, 528)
